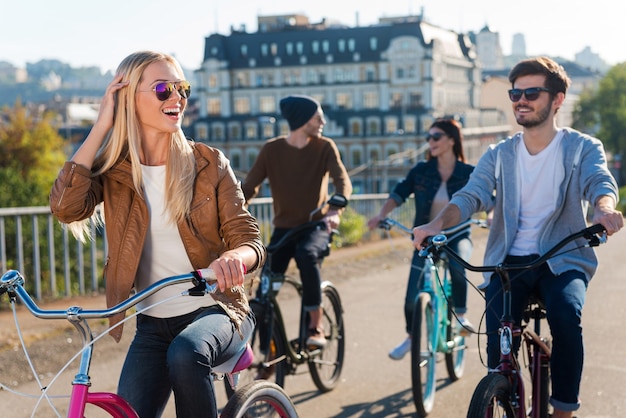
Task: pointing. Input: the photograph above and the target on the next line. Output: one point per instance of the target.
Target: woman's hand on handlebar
(229, 270)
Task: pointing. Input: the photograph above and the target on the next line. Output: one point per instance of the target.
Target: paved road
(374, 386)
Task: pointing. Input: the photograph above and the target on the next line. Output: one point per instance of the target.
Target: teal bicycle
(435, 332)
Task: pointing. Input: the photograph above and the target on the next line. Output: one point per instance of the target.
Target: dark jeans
(176, 354)
(563, 297)
(308, 249)
(463, 247)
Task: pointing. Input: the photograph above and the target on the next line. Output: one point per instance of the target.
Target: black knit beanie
(298, 110)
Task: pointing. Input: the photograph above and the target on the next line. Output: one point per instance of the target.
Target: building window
(410, 124)
(400, 73)
(268, 130)
(234, 131)
(299, 48)
(267, 104)
(274, 49)
(251, 131)
(391, 125)
(357, 158)
(289, 48)
(244, 50)
(218, 132)
(395, 100)
(351, 44)
(251, 158)
(213, 107)
(213, 81)
(373, 43)
(315, 47)
(370, 75)
(235, 160)
(373, 127)
(241, 79)
(214, 51)
(370, 100)
(344, 100)
(341, 45)
(325, 46)
(355, 127)
(264, 50)
(242, 105)
(202, 131)
(415, 100)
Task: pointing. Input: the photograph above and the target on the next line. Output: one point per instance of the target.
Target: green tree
(603, 112)
(31, 154)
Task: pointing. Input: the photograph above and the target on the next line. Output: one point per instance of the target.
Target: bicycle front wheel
(326, 366)
(455, 356)
(423, 354)
(259, 399)
(492, 398)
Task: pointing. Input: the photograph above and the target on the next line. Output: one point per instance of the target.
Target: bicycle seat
(236, 363)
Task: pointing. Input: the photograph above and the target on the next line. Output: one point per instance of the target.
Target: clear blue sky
(101, 33)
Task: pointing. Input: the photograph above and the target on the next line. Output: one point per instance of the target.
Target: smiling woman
(172, 206)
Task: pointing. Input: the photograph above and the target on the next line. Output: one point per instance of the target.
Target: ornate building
(380, 87)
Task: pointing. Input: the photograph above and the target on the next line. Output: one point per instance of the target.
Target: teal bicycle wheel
(423, 354)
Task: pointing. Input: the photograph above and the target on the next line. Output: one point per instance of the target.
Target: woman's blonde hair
(124, 142)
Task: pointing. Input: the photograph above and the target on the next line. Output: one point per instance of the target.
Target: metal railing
(57, 265)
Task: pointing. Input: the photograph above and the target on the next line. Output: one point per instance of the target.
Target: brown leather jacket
(218, 221)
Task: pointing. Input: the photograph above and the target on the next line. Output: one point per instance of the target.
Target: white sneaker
(465, 327)
(400, 350)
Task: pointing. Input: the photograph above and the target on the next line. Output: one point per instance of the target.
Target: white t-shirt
(163, 253)
(439, 201)
(540, 176)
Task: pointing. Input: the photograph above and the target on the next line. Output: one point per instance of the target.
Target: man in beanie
(298, 167)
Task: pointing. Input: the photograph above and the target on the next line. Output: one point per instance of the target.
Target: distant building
(489, 49)
(591, 60)
(380, 87)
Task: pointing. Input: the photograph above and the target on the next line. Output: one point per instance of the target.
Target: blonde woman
(170, 206)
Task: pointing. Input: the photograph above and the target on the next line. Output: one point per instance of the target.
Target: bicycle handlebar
(293, 232)
(450, 233)
(439, 243)
(12, 282)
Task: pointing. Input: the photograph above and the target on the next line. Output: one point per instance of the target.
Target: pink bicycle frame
(113, 404)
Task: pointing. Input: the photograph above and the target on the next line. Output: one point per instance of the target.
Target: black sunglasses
(164, 90)
(435, 137)
(531, 93)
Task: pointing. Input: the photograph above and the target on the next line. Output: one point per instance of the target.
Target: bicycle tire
(492, 398)
(259, 399)
(455, 355)
(423, 354)
(326, 367)
(276, 348)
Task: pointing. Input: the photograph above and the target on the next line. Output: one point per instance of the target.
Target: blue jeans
(564, 297)
(463, 247)
(176, 354)
(308, 250)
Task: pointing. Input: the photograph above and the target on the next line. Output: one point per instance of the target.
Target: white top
(163, 253)
(540, 176)
(440, 200)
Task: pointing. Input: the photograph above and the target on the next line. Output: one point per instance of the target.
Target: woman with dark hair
(432, 182)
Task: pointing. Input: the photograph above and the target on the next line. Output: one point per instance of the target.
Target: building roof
(229, 48)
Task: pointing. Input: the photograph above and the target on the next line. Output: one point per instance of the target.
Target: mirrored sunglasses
(164, 90)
